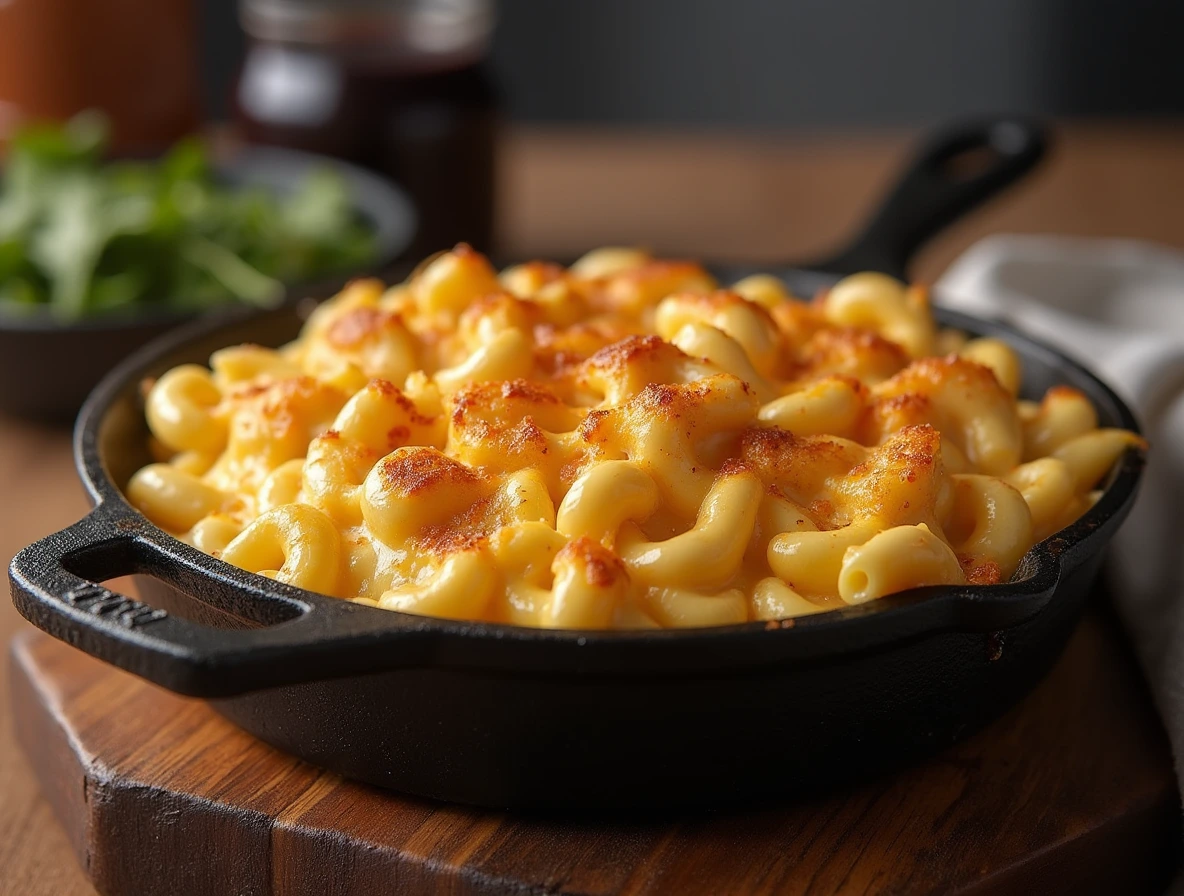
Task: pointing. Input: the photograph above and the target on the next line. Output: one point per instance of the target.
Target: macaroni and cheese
(619, 444)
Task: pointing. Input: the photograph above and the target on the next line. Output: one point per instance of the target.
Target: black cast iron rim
(306, 636)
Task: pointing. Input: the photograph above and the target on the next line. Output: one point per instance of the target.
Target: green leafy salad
(81, 236)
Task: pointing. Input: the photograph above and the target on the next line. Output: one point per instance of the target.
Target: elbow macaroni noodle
(619, 444)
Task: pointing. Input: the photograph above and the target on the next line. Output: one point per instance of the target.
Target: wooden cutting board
(1071, 792)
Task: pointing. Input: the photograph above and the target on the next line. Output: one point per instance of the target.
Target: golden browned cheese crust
(623, 443)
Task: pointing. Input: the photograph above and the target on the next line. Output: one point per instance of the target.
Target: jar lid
(406, 28)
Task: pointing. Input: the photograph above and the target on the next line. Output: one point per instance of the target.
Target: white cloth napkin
(1118, 307)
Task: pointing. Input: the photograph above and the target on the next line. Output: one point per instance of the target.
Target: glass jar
(398, 86)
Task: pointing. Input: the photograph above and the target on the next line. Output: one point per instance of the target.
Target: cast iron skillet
(47, 367)
(577, 720)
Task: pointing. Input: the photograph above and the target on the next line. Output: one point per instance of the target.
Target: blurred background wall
(777, 64)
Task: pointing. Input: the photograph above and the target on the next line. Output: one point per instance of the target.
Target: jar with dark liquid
(398, 86)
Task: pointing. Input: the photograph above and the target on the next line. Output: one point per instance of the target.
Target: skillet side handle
(311, 643)
(954, 173)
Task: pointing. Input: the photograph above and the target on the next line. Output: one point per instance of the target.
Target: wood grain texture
(792, 198)
(562, 191)
(1070, 793)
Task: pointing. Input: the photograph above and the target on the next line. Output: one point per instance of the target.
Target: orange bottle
(136, 60)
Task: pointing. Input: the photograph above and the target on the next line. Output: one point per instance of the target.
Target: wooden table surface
(716, 196)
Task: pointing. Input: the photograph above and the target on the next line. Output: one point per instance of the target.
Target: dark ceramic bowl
(47, 367)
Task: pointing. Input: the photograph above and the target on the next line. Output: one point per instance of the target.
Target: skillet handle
(954, 173)
(55, 585)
